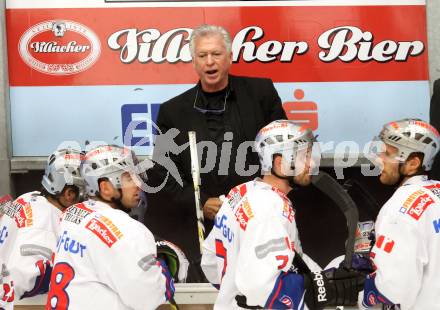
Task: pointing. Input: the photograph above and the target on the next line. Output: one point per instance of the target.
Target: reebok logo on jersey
(419, 206)
(102, 232)
(319, 280)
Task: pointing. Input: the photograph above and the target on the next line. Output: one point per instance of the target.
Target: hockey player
(29, 225)
(407, 248)
(104, 258)
(250, 250)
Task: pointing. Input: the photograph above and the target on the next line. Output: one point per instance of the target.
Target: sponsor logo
(419, 206)
(436, 226)
(115, 230)
(372, 299)
(102, 232)
(288, 212)
(384, 243)
(249, 45)
(236, 194)
(286, 300)
(69, 244)
(244, 214)
(319, 280)
(220, 223)
(406, 205)
(3, 234)
(23, 214)
(59, 47)
(435, 189)
(76, 213)
(4, 202)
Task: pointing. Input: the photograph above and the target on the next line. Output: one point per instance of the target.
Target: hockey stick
(355, 187)
(325, 183)
(195, 172)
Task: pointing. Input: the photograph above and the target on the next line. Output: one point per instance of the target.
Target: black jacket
(171, 212)
(434, 112)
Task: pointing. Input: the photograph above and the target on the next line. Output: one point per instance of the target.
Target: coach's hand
(211, 207)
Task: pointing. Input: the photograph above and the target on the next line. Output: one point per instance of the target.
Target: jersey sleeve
(209, 261)
(131, 269)
(399, 255)
(265, 259)
(30, 262)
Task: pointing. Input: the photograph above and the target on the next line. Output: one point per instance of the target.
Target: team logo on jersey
(372, 299)
(385, 243)
(59, 47)
(76, 213)
(419, 206)
(104, 229)
(22, 213)
(244, 214)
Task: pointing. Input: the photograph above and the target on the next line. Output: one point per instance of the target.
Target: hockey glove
(174, 258)
(332, 287)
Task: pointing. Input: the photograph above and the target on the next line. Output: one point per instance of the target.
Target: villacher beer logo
(59, 47)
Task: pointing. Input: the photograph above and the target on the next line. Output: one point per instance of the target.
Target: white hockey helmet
(412, 135)
(281, 137)
(106, 161)
(63, 169)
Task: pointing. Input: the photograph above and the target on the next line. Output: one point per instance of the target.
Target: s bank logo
(59, 47)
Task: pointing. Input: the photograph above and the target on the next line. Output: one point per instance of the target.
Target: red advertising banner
(149, 45)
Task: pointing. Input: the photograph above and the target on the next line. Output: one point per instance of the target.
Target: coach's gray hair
(207, 30)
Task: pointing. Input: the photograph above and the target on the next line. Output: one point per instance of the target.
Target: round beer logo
(59, 47)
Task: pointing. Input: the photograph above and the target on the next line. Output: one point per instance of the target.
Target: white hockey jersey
(251, 247)
(105, 260)
(29, 237)
(407, 249)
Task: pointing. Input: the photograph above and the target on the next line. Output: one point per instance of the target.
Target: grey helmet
(106, 161)
(281, 137)
(412, 135)
(63, 169)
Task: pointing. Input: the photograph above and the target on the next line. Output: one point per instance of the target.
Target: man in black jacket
(224, 111)
(434, 119)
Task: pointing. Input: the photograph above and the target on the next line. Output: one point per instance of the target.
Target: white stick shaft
(195, 172)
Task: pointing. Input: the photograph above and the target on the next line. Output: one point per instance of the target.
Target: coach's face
(212, 62)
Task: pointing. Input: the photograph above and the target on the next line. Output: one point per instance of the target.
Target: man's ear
(413, 165)
(106, 189)
(70, 195)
